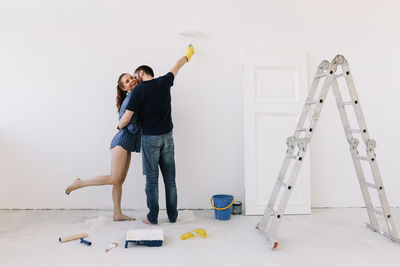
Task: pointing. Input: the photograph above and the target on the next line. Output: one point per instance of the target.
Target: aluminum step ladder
(298, 144)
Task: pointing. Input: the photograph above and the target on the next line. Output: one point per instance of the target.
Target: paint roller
(72, 237)
(190, 33)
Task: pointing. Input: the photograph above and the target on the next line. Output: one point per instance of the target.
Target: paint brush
(111, 246)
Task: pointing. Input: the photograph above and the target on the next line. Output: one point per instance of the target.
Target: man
(151, 99)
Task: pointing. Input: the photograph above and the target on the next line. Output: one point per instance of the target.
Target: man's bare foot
(146, 221)
(75, 185)
(123, 217)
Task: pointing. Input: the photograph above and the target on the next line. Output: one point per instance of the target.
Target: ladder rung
(301, 130)
(339, 75)
(320, 75)
(291, 156)
(353, 130)
(273, 212)
(371, 185)
(378, 211)
(282, 184)
(311, 102)
(346, 103)
(361, 158)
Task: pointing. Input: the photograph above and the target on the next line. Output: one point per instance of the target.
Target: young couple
(146, 101)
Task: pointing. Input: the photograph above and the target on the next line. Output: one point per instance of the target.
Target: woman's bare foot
(123, 217)
(75, 185)
(146, 221)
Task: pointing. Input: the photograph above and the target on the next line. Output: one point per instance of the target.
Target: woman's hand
(125, 119)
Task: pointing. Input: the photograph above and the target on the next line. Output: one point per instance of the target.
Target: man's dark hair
(146, 69)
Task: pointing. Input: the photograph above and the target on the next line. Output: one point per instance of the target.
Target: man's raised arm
(178, 65)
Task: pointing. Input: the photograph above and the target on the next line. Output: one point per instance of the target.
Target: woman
(124, 142)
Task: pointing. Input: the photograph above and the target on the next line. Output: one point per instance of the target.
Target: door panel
(275, 86)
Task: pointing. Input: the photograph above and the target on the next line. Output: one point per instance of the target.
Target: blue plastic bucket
(222, 206)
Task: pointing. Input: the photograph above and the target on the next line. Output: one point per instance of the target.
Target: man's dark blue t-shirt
(152, 101)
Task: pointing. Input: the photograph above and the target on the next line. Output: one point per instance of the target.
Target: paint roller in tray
(147, 237)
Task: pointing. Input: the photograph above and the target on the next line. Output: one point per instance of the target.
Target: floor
(328, 237)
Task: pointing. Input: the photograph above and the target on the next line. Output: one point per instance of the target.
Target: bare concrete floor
(328, 237)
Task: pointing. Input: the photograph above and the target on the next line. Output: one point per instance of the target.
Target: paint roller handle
(86, 242)
(189, 52)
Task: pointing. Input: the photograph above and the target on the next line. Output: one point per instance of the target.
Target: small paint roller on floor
(72, 237)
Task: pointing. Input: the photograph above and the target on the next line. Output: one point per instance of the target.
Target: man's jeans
(158, 150)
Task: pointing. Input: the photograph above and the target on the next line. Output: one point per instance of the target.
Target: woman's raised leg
(118, 162)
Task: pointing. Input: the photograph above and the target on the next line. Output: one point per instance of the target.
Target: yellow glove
(189, 52)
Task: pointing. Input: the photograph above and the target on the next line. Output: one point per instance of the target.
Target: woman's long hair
(121, 94)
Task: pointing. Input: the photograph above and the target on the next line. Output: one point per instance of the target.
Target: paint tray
(146, 237)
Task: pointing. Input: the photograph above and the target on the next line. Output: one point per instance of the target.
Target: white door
(275, 88)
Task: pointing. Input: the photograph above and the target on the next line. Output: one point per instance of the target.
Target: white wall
(59, 62)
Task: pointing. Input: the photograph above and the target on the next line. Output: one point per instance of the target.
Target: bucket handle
(212, 204)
